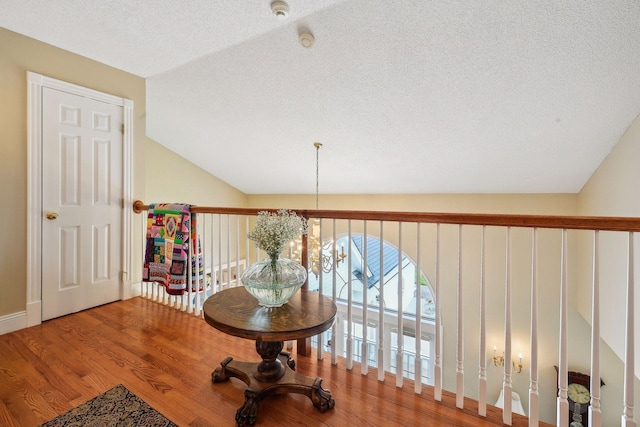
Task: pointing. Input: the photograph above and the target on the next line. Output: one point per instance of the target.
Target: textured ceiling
(407, 97)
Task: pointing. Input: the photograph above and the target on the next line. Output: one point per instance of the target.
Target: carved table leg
(247, 414)
(320, 397)
(220, 374)
(290, 362)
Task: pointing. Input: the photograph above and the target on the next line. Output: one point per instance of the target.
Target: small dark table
(235, 312)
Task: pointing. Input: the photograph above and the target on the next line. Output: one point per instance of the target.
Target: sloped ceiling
(406, 97)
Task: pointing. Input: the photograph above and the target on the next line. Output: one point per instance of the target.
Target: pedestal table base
(273, 375)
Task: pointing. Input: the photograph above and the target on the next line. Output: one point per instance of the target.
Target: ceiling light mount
(280, 9)
(306, 39)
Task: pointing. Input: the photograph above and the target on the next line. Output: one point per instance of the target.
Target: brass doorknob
(52, 215)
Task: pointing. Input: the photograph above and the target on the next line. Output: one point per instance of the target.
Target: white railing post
(188, 305)
(629, 365)
(418, 326)
(219, 269)
(236, 272)
(334, 329)
(228, 251)
(349, 362)
(399, 325)
(364, 350)
(247, 252)
(381, 346)
(562, 416)
(320, 349)
(460, 332)
(595, 415)
(506, 386)
(202, 296)
(482, 378)
(534, 406)
(212, 261)
(437, 368)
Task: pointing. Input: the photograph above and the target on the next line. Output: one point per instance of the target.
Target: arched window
(382, 268)
(377, 271)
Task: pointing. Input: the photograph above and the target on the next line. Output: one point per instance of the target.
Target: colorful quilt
(171, 227)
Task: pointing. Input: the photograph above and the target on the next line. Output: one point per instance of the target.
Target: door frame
(35, 83)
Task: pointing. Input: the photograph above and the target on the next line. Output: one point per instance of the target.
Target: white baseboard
(13, 322)
(136, 289)
(32, 316)
(34, 313)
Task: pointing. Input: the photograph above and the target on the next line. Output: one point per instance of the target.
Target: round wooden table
(235, 312)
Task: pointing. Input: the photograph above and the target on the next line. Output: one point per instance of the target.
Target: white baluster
(219, 269)
(364, 365)
(187, 305)
(418, 326)
(381, 328)
(506, 386)
(349, 362)
(334, 329)
(595, 415)
(460, 332)
(482, 378)
(201, 296)
(437, 369)
(228, 251)
(534, 405)
(629, 365)
(212, 262)
(562, 417)
(400, 334)
(320, 287)
(236, 275)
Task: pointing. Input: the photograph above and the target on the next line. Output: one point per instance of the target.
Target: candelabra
(322, 257)
(499, 361)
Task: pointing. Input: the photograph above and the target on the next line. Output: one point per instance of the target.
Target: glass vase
(273, 282)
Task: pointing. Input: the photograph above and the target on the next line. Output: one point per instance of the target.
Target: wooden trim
(498, 220)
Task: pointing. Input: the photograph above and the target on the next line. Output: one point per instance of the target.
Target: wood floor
(166, 358)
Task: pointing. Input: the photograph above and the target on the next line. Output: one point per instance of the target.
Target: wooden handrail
(603, 223)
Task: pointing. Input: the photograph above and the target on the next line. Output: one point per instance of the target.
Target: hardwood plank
(166, 358)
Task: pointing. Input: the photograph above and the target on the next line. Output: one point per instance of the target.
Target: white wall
(613, 191)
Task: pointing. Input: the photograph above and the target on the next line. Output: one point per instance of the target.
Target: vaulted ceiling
(413, 96)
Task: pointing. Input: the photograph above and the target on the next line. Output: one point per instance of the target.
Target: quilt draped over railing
(171, 229)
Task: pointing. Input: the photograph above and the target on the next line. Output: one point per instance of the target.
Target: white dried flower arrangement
(274, 230)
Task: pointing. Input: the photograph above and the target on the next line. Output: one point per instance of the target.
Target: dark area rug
(115, 407)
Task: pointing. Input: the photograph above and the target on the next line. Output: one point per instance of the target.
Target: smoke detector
(280, 9)
(306, 40)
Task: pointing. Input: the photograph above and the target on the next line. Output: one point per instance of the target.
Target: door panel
(68, 250)
(82, 184)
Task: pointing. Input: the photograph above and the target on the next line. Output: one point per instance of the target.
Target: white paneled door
(82, 146)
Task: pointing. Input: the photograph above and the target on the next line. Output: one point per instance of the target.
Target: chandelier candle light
(273, 280)
(323, 257)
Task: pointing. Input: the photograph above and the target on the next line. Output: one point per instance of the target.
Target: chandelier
(322, 257)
